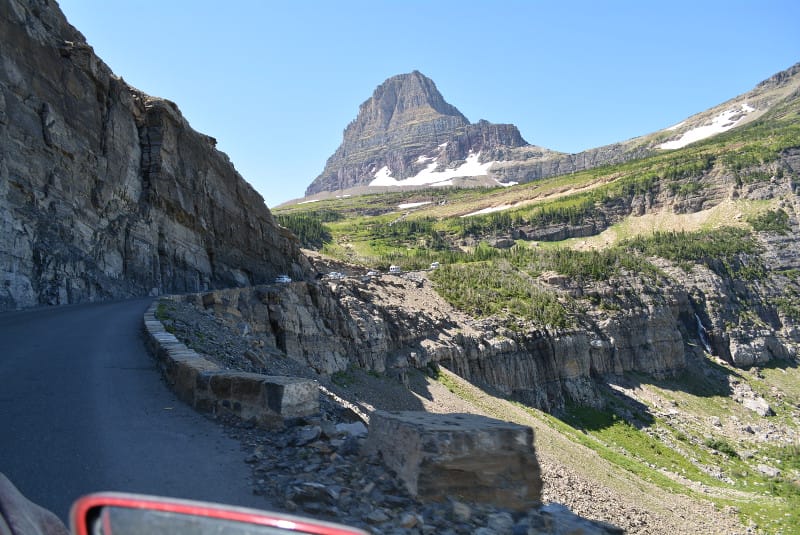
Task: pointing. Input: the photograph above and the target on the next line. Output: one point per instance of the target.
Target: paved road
(83, 409)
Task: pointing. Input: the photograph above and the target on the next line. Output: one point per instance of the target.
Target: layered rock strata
(108, 192)
(390, 324)
(404, 127)
(393, 324)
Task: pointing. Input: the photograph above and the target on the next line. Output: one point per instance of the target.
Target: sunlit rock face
(108, 192)
(390, 325)
(406, 134)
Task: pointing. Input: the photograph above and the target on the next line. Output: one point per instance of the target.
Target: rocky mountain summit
(108, 192)
(407, 128)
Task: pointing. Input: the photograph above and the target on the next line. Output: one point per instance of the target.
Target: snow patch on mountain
(721, 123)
(490, 209)
(431, 177)
(406, 205)
(383, 177)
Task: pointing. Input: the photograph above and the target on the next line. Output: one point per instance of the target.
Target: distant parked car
(372, 273)
(434, 265)
(283, 279)
(395, 269)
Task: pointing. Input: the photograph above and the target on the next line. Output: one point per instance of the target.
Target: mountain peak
(407, 129)
(780, 78)
(413, 91)
(401, 99)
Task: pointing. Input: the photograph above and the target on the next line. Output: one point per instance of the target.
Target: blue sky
(277, 82)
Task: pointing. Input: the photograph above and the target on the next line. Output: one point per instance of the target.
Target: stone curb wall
(474, 457)
(267, 400)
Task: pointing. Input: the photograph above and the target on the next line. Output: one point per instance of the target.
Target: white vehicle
(395, 269)
(369, 275)
(282, 279)
(434, 265)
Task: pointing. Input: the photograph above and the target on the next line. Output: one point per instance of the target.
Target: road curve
(84, 409)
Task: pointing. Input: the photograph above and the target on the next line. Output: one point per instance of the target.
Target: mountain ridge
(506, 157)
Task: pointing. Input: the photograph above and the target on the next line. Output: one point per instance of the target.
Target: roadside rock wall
(107, 192)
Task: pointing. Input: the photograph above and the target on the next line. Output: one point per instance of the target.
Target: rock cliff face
(108, 192)
(519, 167)
(405, 126)
(392, 324)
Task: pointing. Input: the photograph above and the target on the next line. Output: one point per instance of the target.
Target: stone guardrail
(436, 455)
(266, 400)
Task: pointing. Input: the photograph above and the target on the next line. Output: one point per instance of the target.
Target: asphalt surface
(84, 409)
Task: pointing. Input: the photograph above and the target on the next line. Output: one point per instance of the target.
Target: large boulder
(467, 456)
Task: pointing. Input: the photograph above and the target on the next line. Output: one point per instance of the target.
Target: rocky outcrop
(405, 126)
(476, 458)
(108, 192)
(780, 79)
(545, 368)
(393, 324)
(519, 167)
(744, 321)
(491, 141)
(390, 324)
